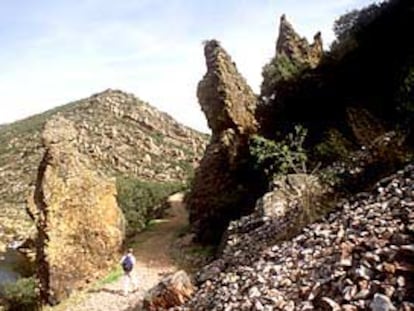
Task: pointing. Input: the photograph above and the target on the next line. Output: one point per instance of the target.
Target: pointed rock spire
(229, 105)
(297, 48)
(224, 95)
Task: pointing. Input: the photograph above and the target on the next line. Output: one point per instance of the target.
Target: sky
(57, 51)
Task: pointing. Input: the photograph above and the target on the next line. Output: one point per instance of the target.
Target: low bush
(280, 157)
(334, 147)
(22, 295)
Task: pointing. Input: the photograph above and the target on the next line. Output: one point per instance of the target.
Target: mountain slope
(120, 134)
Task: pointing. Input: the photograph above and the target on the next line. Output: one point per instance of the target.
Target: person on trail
(128, 262)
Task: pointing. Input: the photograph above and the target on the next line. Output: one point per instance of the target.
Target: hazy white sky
(57, 51)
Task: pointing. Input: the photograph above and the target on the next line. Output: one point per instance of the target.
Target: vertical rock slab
(79, 224)
(219, 192)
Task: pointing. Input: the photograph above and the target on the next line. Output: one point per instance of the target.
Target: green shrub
(114, 275)
(278, 69)
(280, 157)
(350, 25)
(142, 201)
(22, 295)
(334, 147)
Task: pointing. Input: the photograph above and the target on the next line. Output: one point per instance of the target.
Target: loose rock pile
(359, 257)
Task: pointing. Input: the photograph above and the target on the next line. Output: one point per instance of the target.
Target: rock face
(297, 48)
(229, 105)
(224, 96)
(358, 257)
(79, 225)
(120, 134)
(172, 291)
(347, 92)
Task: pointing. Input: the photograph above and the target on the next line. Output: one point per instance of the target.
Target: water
(13, 265)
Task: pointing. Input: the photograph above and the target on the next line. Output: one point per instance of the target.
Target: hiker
(128, 262)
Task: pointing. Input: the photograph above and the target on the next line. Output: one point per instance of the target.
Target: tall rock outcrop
(350, 98)
(293, 54)
(224, 95)
(219, 191)
(296, 47)
(79, 225)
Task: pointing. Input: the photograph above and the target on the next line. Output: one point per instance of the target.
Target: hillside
(120, 134)
(316, 110)
(304, 193)
(325, 219)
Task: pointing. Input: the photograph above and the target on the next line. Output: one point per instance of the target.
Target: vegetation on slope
(142, 201)
(362, 89)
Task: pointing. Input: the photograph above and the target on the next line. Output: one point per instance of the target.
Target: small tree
(347, 26)
(280, 157)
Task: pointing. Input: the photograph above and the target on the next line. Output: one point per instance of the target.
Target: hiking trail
(152, 251)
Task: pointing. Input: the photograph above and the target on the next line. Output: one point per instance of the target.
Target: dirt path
(152, 250)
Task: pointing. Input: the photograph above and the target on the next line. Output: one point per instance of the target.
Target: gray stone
(381, 303)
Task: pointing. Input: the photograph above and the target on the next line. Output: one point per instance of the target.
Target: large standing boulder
(79, 224)
(219, 192)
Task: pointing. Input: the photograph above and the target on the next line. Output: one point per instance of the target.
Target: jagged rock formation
(229, 105)
(120, 134)
(352, 92)
(358, 257)
(79, 225)
(293, 55)
(172, 291)
(224, 96)
(297, 48)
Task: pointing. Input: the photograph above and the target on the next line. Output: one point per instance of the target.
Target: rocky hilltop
(120, 134)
